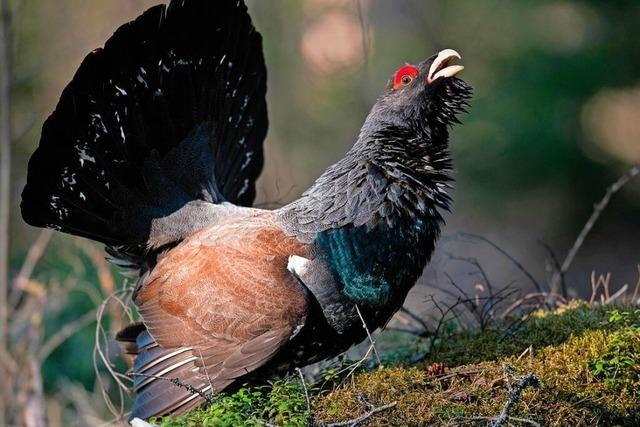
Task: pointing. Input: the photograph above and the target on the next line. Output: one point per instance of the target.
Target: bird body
(154, 150)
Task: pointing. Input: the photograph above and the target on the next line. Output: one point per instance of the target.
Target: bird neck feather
(375, 215)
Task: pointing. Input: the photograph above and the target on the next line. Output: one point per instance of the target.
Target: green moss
(282, 402)
(540, 329)
(586, 357)
(620, 364)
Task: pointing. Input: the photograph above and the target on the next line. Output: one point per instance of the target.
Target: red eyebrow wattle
(407, 70)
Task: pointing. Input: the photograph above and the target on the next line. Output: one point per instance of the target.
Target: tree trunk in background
(5, 192)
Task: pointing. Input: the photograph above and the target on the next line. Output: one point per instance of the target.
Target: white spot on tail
(84, 156)
(245, 187)
(247, 159)
(68, 178)
(142, 81)
(98, 123)
(58, 208)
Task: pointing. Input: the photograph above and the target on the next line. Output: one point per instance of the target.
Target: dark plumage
(154, 150)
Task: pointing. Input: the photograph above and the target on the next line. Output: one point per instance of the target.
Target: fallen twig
(352, 368)
(455, 374)
(465, 420)
(357, 421)
(515, 392)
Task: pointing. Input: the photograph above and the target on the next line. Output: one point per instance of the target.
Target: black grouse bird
(154, 149)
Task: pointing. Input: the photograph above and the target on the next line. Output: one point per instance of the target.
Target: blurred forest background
(555, 119)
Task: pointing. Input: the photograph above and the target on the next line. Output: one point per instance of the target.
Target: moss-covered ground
(587, 360)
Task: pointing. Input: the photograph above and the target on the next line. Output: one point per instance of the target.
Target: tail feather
(171, 110)
(155, 372)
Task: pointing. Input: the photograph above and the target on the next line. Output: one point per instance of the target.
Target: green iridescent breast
(377, 265)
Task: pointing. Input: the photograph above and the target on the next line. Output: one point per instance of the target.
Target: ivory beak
(442, 67)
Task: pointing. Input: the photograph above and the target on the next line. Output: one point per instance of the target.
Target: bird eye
(404, 76)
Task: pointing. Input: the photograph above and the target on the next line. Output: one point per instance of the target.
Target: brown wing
(222, 301)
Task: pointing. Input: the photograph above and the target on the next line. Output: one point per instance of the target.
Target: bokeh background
(555, 119)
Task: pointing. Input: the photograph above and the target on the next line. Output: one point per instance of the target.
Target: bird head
(425, 97)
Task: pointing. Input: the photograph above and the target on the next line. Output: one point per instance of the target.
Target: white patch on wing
(296, 331)
(297, 265)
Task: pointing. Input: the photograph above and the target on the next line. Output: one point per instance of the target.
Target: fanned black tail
(171, 110)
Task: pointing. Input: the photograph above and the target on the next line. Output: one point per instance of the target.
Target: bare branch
(100, 354)
(352, 367)
(556, 266)
(64, 334)
(373, 343)
(617, 294)
(532, 295)
(506, 254)
(595, 215)
(476, 264)
(33, 256)
(417, 319)
(634, 298)
(415, 332)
